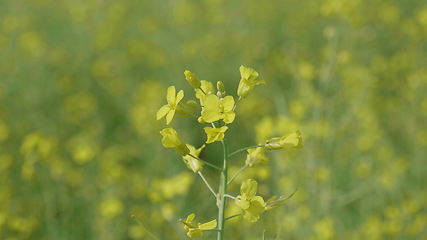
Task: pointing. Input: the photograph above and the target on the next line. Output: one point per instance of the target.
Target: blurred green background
(81, 81)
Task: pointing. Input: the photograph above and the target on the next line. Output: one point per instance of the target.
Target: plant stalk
(222, 191)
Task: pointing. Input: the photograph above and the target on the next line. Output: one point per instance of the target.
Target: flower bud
(221, 89)
(192, 79)
(290, 141)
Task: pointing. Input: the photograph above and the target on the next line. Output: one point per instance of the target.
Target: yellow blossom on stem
(192, 79)
(195, 230)
(252, 206)
(289, 141)
(194, 164)
(215, 134)
(248, 81)
(171, 140)
(216, 108)
(169, 109)
(256, 156)
(206, 88)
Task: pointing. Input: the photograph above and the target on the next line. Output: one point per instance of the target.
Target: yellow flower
(215, 134)
(195, 230)
(215, 108)
(206, 88)
(252, 206)
(192, 79)
(192, 163)
(169, 109)
(289, 141)
(255, 156)
(248, 81)
(171, 140)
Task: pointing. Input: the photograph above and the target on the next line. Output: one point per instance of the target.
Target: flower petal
(170, 115)
(179, 97)
(171, 95)
(228, 103)
(162, 112)
(208, 226)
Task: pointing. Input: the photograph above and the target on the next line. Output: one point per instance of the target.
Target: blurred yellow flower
(111, 208)
(192, 79)
(195, 230)
(256, 156)
(192, 163)
(289, 141)
(248, 81)
(169, 109)
(171, 140)
(252, 206)
(215, 134)
(215, 108)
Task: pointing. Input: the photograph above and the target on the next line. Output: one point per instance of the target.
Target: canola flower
(195, 230)
(248, 81)
(169, 109)
(252, 206)
(193, 163)
(217, 110)
(171, 140)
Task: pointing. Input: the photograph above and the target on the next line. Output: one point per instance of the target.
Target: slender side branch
(229, 196)
(233, 216)
(244, 149)
(207, 184)
(207, 163)
(237, 173)
(237, 102)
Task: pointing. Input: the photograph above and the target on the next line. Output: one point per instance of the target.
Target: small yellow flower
(192, 79)
(192, 163)
(215, 134)
(248, 81)
(171, 140)
(252, 206)
(206, 88)
(216, 108)
(256, 156)
(289, 141)
(169, 109)
(195, 230)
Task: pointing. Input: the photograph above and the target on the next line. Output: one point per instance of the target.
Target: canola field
(81, 82)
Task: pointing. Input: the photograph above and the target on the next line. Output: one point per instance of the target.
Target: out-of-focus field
(81, 81)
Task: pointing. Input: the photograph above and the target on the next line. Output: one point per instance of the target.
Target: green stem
(244, 149)
(222, 191)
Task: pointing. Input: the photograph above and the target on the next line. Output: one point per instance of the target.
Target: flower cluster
(216, 109)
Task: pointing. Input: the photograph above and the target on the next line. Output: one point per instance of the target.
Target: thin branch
(207, 163)
(207, 184)
(244, 149)
(229, 196)
(237, 173)
(233, 216)
(237, 102)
